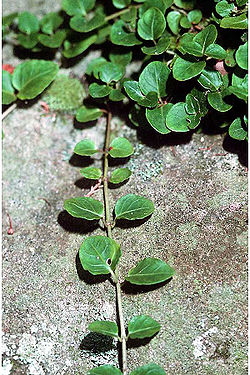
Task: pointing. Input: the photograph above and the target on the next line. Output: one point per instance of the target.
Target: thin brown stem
(114, 275)
(117, 14)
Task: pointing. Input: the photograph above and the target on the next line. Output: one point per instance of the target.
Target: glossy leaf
(215, 99)
(133, 207)
(91, 173)
(242, 56)
(201, 97)
(210, 79)
(239, 86)
(85, 114)
(84, 207)
(111, 72)
(103, 34)
(50, 22)
(86, 147)
(159, 48)
(173, 20)
(104, 370)
(206, 37)
(132, 88)
(153, 78)
(185, 69)
(120, 148)
(83, 25)
(184, 22)
(119, 175)
(99, 91)
(116, 95)
(104, 327)
(28, 23)
(152, 24)
(76, 49)
(120, 36)
(185, 4)
(95, 65)
(31, 77)
(8, 95)
(216, 51)
(177, 118)
(142, 326)
(54, 40)
(120, 4)
(194, 16)
(187, 45)
(157, 118)
(77, 7)
(28, 41)
(192, 106)
(99, 255)
(236, 130)
(122, 58)
(230, 60)
(223, 8)
(150, 271)
(162, 5)
(237, 22)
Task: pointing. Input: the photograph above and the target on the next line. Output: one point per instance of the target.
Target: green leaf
(142, 326)
(91, 173)
(242, 56)
(157, 118)
(210, 79)
(104, 327)
(50, 22)
(86, 147)
(99, 91)
(241, 3)
(239, 86)
(85, 114)
(122, 58)
(99, 255)
(116, 95)
(150, 271)
(185, 69)
(192, 106)
(237, 22)
(120, 4)
(185, 4)
(28, 23)
(230, 60)
(137, 116)
(54, 40)
(236, 130)
(173, 20)
(194, 16)
(200, 96)
(158, 48)
(162, 5)
(177, 118)
(152, 24)
(153, 78)
(223, 8)
(184, 22)
(77, 7)
(111, 72)
(119, 175)
(28, 41)
(120, 36)
(150, 369)
(120, 148)
(215, 99)
(83, 25)
(8, 95)
(95, 65)
(103, 34)
(104, 370)
(84, 207)
(133, 207)
(216, 51)
(33, 76)
(7, 20)
(206, 37)
(75, 49)
(130, 17)
(132, 88)
(187, 45)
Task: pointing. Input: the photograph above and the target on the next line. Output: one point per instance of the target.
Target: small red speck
(45, 106)
(9, 68)
(10, 231)
(110, 148)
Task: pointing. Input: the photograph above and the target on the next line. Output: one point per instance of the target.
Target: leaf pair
(150, 369)
(119, 148)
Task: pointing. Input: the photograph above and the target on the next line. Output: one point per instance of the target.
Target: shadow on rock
(136, 343)
(86, 276)
(83, 183)
(80, 161)
(97, 343)
(129, 288)
(237, 147)
(122, 223)
(75, 225)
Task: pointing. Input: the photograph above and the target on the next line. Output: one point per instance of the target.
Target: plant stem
(117, 14)
(10, 109)
(109, 233)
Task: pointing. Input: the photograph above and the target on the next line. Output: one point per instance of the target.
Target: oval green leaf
(8, 95)
(76, 49)
(236, 130)
(216, 51)
(192, 105)
(206, 37)
(33, 76)
(142, 326)
(242, 56)
(177, 118)
(185, 69)
(28, 41)
(120, 148)
(120, 36)
(104, 370)
(157, 118)
(159, 48)
(83, 25)
(194, 16)
(104, 327)
(77, 7)
(111, 72)
(173, 20)
(86, 114)
(84, 208)
(28, 23)
(54, 40)
(91, 173)
(116, 95)
(152, 24)
(215, 99)
(86, 147)
(133, 207)
(153, 78)
(119, 175)
(99, 255)
(187, 45)
(223, 8)
(210, 79)
(99, 91)
(50, 22)
(150, 369)
(133, 90)
(150, 271)
(237, 22)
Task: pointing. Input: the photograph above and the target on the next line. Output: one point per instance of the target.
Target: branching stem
(117, 14)
(115, 275)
